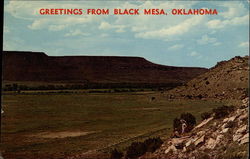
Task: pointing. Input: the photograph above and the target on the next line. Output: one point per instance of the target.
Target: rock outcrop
(227, 80)
(211, 139)
(219, 136)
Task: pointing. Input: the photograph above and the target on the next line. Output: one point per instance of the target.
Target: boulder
(243, 116)
(219, 138)
(178, 141)
(200, 140)
(211, 143)
(242, 129)
(244, 139)
(170, 148)
(189, 142)
(224, 130)
(236, 137)
(225, 120)
(204, 122)
(232, 118)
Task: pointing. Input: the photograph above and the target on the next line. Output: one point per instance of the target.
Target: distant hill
(37, 66)
(226, 80)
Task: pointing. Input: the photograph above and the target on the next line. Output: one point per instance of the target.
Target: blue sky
(188, 40)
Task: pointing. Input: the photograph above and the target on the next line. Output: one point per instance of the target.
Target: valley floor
(59, 125)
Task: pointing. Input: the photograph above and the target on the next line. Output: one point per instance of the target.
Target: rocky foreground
(214, 138)
(225, 138)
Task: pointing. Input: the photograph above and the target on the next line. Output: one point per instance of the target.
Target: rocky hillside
(224, 134)
(225, 138)
(35, 66)
(228, 79)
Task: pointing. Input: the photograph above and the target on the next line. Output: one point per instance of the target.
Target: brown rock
(211, 143)
(200, 140)
(171, 148)
(244, 139)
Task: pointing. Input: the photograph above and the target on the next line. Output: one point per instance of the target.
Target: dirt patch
(62, 134)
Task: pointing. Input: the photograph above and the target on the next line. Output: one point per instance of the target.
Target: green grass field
(32, 124)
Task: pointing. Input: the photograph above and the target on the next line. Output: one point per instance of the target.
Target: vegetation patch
(222, 111)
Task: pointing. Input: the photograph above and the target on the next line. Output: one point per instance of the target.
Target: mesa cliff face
(35, 66)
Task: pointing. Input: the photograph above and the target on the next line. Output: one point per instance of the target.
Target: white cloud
(29, 10)
(218, 24)
(57, 27)
(217, 43)
(175, 47)
(244, 44)
(193, 53)
(205, 39)
(76, 32)
(168, 33)
(107, 26)
(233, 9)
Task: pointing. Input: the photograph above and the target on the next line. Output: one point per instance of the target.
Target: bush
(153, 144)
(190, 121)
(135, 150)
(231, 124)
(206, 115)
(177, 125)
(116, 154)
(222, 111)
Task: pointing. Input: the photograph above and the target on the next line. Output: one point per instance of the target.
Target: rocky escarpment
(226, 80)
(225, 138)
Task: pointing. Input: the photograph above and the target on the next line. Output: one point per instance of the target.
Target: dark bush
(135, 150)
(231, 124)
(153, 144)
(206, 115)
(177, 125)
(222, 111)
(116, 154)
(190, 119)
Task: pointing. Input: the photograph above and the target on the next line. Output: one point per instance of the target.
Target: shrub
(190, 119)
(135, 150)
(153, 144)
(222, 111)
(206, 115)
(231, 124)
(177, 125)
(116, 154)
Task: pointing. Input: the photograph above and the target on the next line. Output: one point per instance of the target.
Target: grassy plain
(32, 123)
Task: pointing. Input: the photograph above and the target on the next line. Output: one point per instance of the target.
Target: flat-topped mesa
(37, 66)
